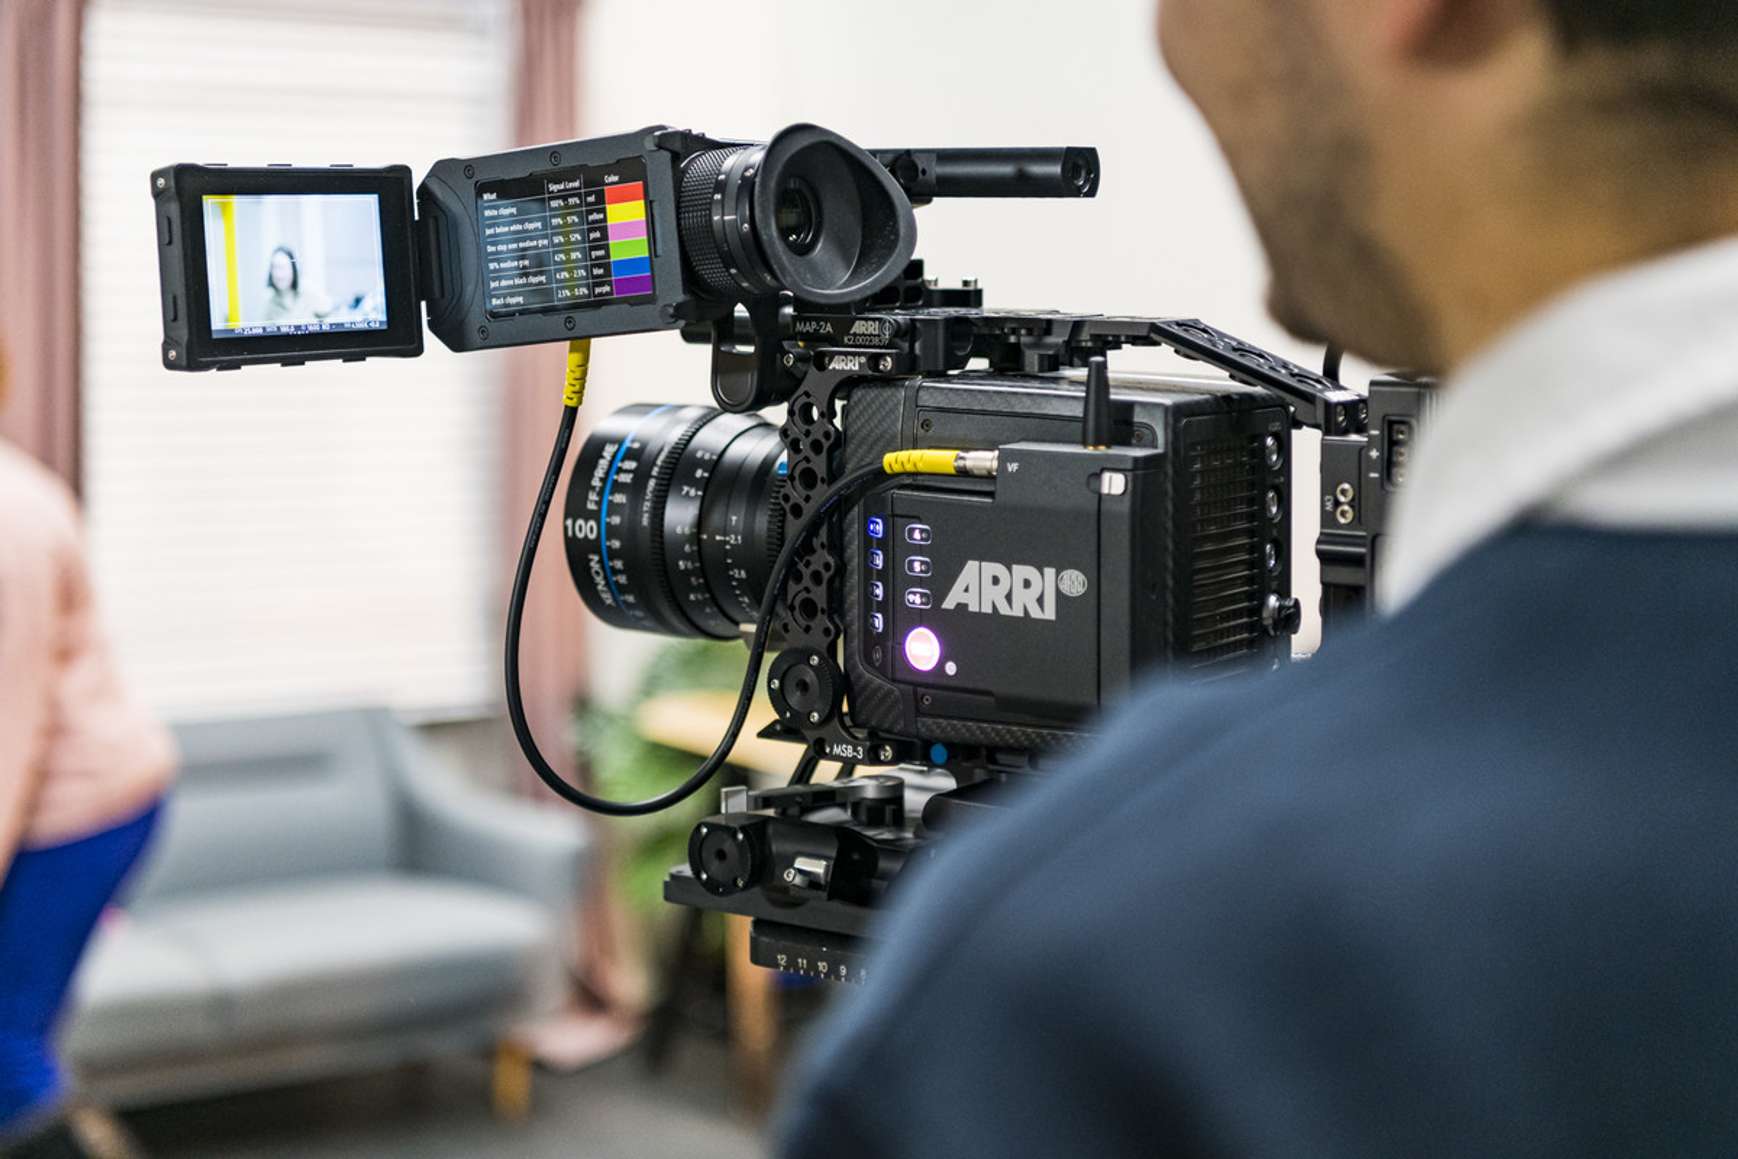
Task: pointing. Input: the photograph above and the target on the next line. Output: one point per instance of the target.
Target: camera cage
(811, 917)
(808, 360)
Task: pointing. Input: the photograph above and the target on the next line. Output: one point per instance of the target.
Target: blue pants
(50, 901)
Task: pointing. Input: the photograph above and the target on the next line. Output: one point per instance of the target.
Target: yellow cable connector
(578, 367)
(941, 462)
(921, 462)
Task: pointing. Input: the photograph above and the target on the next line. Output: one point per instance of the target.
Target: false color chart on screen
(566, 239)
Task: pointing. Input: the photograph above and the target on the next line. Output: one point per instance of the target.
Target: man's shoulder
(1511, 721)
(1362, 883)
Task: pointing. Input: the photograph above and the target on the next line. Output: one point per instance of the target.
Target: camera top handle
(926, 174)
(763, 362)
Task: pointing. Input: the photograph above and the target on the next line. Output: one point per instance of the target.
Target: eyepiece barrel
(926, 174)
(807, 212)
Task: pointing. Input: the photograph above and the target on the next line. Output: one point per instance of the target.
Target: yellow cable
(578, 367)
(931, 462)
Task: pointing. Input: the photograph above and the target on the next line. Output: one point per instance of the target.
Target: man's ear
(1452, 32)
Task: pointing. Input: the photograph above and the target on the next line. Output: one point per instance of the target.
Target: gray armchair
(320, 899)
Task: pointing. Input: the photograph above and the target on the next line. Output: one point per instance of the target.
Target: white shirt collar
(1615, 406)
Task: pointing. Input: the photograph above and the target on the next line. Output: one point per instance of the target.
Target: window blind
(285, 537)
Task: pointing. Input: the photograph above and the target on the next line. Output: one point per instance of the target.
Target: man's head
(1421, 172)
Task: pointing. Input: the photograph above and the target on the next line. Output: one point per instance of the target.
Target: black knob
(1282, 616)
(725, 853)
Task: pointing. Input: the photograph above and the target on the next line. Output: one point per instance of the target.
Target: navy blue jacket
(1466, 884)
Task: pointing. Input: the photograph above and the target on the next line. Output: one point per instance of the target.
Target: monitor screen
(292, 264)
(567, 239)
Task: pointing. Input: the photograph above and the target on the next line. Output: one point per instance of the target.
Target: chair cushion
(360, 953)
(139, 993)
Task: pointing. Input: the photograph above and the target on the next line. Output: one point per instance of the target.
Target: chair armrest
(458, 830)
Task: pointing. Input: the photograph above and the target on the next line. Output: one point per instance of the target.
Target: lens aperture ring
(712, 446)
(737, 520)
(664, 472)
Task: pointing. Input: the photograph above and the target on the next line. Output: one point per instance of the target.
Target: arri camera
(963, 536)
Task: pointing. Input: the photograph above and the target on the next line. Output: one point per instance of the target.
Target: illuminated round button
(922, 650)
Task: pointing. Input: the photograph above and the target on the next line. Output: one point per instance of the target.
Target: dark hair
(295, 269)
(1686, 24)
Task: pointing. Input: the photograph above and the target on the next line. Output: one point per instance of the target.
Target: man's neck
(1559, 242)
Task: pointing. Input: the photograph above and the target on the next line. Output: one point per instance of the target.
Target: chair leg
(753, 1013)
(510, 1081)
(667, 1016)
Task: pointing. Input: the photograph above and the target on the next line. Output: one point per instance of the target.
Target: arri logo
(1017, 590)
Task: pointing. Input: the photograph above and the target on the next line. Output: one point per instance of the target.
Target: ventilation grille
(1225, 589)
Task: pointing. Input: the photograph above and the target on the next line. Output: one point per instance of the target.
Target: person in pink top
(83, 768)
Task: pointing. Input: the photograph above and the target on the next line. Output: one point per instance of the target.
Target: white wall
(1166, 236)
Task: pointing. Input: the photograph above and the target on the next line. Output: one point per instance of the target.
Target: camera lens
(799, 216)
(808, 212)
(673, 519)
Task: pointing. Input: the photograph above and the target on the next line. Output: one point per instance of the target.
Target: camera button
(919, 533)
(919, 565)
(918, 598)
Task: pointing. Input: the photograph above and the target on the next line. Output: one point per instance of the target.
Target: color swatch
(630, 259)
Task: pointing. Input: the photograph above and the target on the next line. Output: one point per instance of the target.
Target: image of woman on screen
(288, 302)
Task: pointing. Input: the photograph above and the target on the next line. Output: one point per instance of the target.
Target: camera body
(1001, 614)
(982, 623)
(1131, 524)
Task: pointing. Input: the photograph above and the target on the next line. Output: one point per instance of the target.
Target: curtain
(553, 663)
(39, 228)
